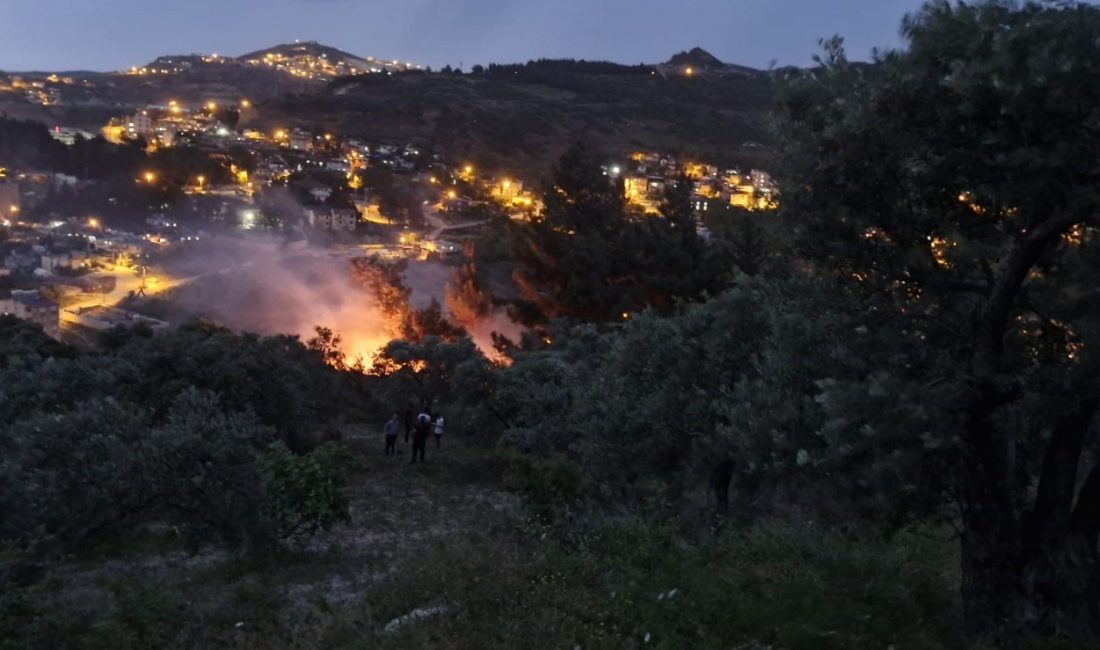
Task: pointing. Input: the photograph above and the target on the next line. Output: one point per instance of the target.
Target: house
(140, 124)
(344, 219)
(52, 261)
(30, 306)
(300, 141)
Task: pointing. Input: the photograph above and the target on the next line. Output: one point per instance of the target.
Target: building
(333, 218)
(30, 306)
(299, 141)
(140, 124)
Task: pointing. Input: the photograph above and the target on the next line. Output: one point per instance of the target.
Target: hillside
(524, 116)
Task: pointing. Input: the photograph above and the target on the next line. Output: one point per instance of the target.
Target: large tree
(951, 186)
(586, 257)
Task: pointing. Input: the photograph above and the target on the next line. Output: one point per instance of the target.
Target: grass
(446, 534)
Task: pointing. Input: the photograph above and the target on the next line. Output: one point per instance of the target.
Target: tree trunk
(718, 493)
(991, 589)
(1059, 543)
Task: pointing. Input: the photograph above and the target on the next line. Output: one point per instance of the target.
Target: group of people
(420, 428)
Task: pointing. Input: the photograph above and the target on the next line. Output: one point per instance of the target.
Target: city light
(93, 222)
(150, 177)
(689, 71)
(14, 209)
(246, 104)
(211, 106)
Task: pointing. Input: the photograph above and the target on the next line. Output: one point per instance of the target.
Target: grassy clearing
(446, 540)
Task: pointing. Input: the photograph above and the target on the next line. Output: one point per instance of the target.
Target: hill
(697, 57)
(525, 115)
(312, 58)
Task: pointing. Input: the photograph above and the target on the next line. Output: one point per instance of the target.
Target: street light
(201, 179)
(93, 222)
(150, 177)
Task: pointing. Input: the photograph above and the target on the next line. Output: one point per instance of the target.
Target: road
(125, 282)
(439, 226)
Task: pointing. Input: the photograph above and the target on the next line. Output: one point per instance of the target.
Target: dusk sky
(116, 34)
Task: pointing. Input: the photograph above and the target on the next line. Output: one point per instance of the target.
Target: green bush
(547, 485)
(308, 492)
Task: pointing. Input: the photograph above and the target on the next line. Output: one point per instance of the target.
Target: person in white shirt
(437, 429)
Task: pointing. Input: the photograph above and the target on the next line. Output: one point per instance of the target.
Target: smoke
(264, 286)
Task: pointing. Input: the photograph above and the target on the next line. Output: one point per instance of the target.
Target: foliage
(308, 491)
(425, 369)
(163, 429)
(950, 190)
(585, 258)
(547, 486)
(630, 584)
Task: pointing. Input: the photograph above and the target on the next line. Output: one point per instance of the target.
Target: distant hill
(513, 115)
(305, 48)
(703, 62)
(697, 57)
(308, 53)
(306, 59)
(524, 115)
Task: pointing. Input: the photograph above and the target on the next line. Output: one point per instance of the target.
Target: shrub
(308, 492)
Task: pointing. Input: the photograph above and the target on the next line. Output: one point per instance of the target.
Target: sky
(117, 34)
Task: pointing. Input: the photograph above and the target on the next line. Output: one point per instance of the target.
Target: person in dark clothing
(421, 432)
(390, 431)
(408, 423)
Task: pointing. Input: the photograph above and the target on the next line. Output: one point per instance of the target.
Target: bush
(548, 486)
(308, 492)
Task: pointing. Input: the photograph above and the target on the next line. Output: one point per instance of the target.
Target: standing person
(437, 429)
(390, 431)
(408, 423)
(420, 435)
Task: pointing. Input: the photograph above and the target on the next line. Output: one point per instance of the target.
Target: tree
(951, 187)
(168, 429)
(466, 300)
(425, 368)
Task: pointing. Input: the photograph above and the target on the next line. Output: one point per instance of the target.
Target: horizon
(433, 33)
